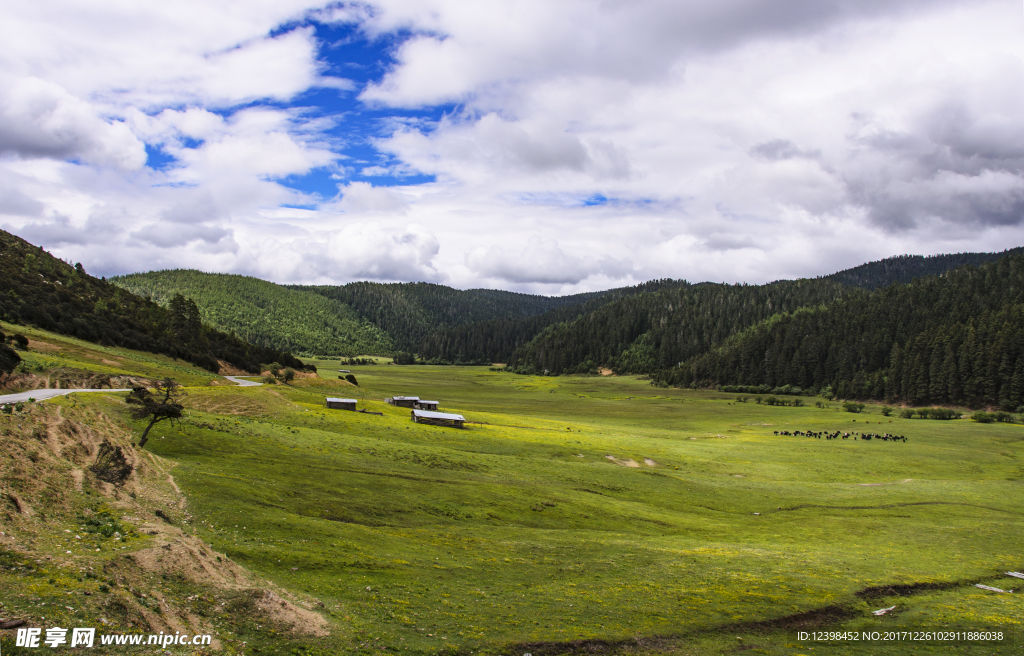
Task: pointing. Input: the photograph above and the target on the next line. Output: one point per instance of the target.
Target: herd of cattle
(837, 435)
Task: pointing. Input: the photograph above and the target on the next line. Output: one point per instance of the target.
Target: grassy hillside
(40, 290)
(264, 313)
(575, 515)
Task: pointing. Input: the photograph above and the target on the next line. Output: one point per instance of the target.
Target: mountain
(638, 329)
(409, 312)
(647, 332)
(956, 338)
(904, 268)
(41, 290)
(654, 330)
(496, 340)
(266, 314)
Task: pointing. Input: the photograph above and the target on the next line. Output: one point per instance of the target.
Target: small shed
(341, 404)
(404, 401)
(438, 418)
(425, 405)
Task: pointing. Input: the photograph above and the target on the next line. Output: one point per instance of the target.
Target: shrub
(352, 379)
(906, 413)
(982, 417)
(886, 411)
(936, 413)
(757, 399)
(851, 406)
(771, 400)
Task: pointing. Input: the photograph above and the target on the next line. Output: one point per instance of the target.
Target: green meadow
(582, 514)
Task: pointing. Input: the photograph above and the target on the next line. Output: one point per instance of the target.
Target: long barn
(341, 404)
(438, 418)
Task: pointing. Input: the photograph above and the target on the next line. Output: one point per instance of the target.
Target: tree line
(956, 338)
(410, 312)
(656, 330)
(904, 268)
(497, 340)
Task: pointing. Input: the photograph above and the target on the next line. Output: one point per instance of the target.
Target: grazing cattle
(867, 437)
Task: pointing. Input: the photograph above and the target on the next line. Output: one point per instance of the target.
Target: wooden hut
(438, 418)
(403, 401)
(341, 404)
(425, 405)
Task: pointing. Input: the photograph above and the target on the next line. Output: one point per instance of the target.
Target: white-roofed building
(341, 404)
(438, 418)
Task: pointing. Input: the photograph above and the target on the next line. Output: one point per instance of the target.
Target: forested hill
(408, 312)
(497, 339)
(265, 313)
(955, 338)
(904, 268)
(650, 331)
(41, 290)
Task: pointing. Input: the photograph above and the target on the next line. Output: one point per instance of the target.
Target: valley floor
(594, 515)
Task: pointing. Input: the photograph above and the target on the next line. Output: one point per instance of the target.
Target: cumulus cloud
(380, 252)
(40, 119)
(461, 50)
(362, 198)
(542, 261)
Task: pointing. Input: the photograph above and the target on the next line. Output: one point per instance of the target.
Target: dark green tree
(8, 359)
(157, 407)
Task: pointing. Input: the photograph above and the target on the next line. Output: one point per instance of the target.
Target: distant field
(602, 509)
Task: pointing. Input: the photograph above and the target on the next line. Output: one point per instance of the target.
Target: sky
(529, 145)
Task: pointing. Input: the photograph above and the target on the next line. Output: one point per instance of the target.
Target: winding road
(43, 394)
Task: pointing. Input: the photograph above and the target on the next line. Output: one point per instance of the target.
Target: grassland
(599, 514)
(49, 352)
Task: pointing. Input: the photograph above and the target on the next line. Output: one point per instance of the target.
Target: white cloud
(542, 261)
(382, 252)
(364, 198)
(40, 119)
(590, 145)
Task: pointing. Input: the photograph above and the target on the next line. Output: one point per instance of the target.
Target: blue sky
(541, 147)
